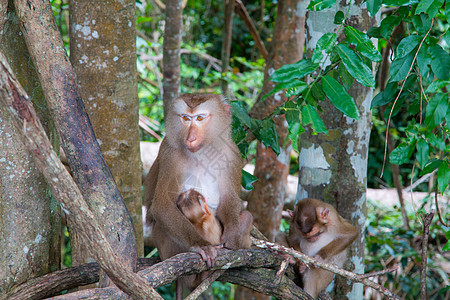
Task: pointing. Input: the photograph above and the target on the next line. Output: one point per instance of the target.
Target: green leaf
(440, 62)
(266, 132)
(310, 116)
(401, 154)
(386, 96)
(437, 85)
(430, 7)
(346, 78)
(424, 61)
(400, 67)
(363, 44)
(430, 166)
(407, 45)
(317, 91)
(355, 66)
(247, 180)
(436, 110)
(373, 6)
(339, 17)
(297, 70)
(388, 24)
(292, 113)
(399, 2)
(374, 32)
(422, 153)
(240, 112)
(296, 90)
(447, 11)
(318, 5)
(339, 97)
(297, 84)
(422, 23)
(294, 131)
(327, 41)
(443, 176)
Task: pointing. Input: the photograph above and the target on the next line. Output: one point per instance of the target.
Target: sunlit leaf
(318, 5)
(373, 6)
(430, 166)
(430, 7)
(401, 154)
(239, 111)
(290, 72)
(436, 110)
(407, 45)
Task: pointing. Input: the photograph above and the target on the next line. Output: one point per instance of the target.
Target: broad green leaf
(346, 78)
(247, 180)
(297, 70)
(318, 5)
(339, 17)
(407, 45)
(327, 41)
(355, 66)
(291, 112)
(447, 11)
(286, 85)
(310, 116)
(399, 2)
(400, 67)
(388, 24)
(424, 61)
(339, 97)
(294, 131)
(363, 44)
(374, 32)
(266, 132)
(422, 152)
(430, 166)
(440, 62)
(373, 6)
(437, 85)
(295, 90)
(422, 23)
(401, 154)
(240, 112)
(317, 91)
(430, 7)
(447, 245)
(386, 96)
(443, 176)
(436, 110)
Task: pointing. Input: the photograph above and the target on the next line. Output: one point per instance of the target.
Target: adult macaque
(319, 231)
(193, 205)
(197, 153)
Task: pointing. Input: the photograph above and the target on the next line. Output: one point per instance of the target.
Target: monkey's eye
(201, 117)
(186, 118)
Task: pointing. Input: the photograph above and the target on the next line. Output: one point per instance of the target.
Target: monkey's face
(307, 224)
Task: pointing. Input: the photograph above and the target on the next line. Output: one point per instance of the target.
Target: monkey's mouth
(194, 149)
(313, 238)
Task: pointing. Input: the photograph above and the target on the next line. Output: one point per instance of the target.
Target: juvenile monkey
(193, 205)
(319, 231)
(196, 153)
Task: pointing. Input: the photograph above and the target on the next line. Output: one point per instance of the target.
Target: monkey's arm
(344, 238)
(228, 214)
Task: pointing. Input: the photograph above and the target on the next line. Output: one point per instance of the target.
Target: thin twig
(438, 209)
(398, 96)
(329, 267)
(379, 273)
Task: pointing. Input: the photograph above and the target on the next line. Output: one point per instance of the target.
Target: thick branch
(63, 187)
(329, 267)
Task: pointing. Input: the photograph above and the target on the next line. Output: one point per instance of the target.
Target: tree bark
(78, 140)
(334, 167)
(226, 42)
(103, 55)
(30, 225)
(171, 51)
(266, 201)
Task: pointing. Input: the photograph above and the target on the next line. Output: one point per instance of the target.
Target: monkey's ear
(322, 214)
(227, 108)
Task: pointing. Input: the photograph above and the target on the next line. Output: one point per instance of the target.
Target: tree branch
(329, 267)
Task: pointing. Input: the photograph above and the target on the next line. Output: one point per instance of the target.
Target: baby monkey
(193, 205)
(319, 231)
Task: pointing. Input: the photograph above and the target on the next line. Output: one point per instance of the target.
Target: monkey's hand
(231, 240)
(208, 253)
(301, 267)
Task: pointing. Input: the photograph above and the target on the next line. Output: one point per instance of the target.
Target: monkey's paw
(208, 253)
(231, 241)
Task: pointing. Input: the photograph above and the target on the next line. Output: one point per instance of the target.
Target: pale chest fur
(205, 174)
(311, 249)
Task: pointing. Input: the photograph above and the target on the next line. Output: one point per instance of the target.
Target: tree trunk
(267, 199)
(171, 50)
(334, 167)
(30, 225)
(103, 55)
